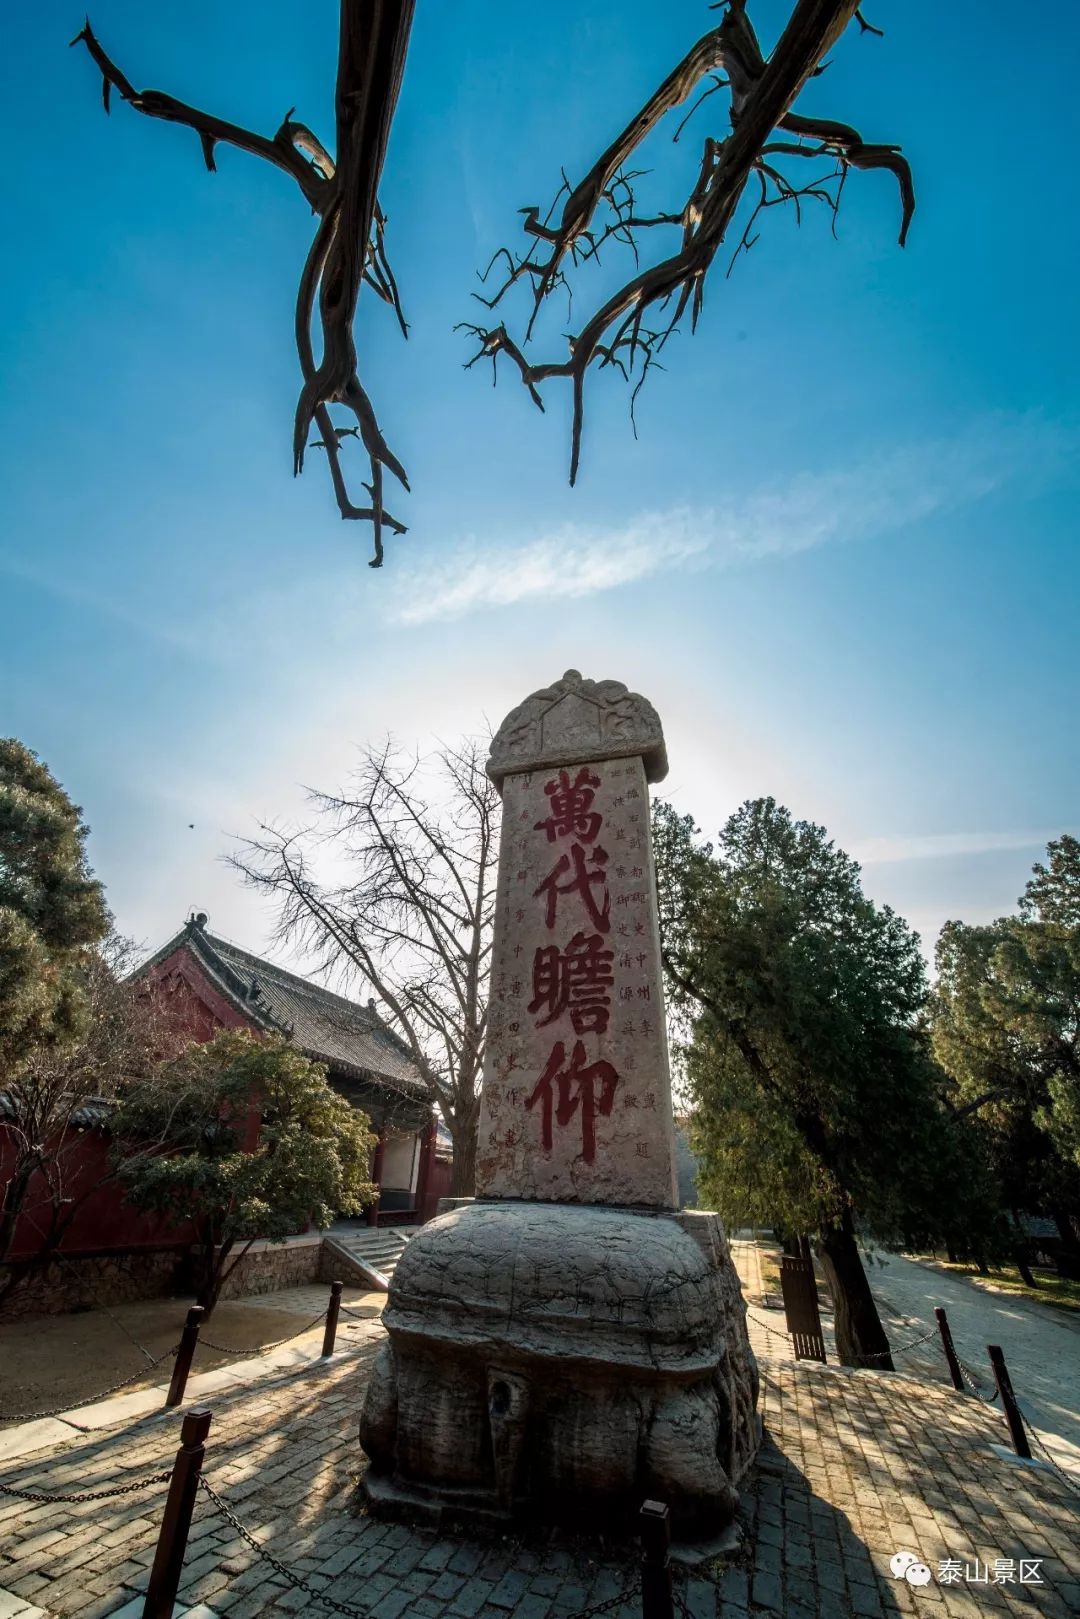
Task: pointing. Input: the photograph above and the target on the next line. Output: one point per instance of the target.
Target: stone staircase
(373, 1249)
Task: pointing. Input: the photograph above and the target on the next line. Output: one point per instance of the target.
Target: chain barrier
(1067, 1479)
(775, 1332)
(968, 1374)
(902, 1349)
(92, 1399)
(39, 1498)
(296, 1580)
(609, 1602)
(84, 1281)
(680, 1603)
(300, 1583)
(260, 1348)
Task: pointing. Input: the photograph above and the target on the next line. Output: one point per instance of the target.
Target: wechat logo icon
(906, 1566)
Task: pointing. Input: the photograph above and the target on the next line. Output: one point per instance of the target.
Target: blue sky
(840, 557)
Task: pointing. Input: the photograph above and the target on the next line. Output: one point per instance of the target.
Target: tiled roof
(348, 1037)
(90, 1112)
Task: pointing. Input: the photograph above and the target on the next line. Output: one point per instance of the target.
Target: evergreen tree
(815, 1092)
(51, 908)
(1005, 1021)
(245, 1138)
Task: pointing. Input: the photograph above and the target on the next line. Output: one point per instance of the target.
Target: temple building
(213, 984)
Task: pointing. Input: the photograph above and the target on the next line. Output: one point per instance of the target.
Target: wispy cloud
(945, 845)
(573, 561)
(876, 495)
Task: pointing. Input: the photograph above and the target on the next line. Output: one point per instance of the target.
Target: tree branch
(761, 96)
(349, 247)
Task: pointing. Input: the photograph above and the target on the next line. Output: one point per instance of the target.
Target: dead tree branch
(762, 94)
(349, 247)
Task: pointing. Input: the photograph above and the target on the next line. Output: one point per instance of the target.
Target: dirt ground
(51, 1360)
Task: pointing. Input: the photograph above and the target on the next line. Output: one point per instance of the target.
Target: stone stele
(569, 1343)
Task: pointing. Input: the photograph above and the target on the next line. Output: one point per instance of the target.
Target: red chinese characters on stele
(573, 982)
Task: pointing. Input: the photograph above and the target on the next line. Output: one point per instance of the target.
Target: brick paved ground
(1041, 1343)
(856, 1466)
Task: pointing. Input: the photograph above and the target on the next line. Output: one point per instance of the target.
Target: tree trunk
(1020, 1254)
(1068, 1254)
(463, 1178)
(212, 1274)
(15, 1192)
(860, 1337)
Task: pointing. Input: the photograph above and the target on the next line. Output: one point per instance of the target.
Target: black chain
(301, 1584)
(776, 1332)
(1066, 1478)
(968, 1375)
(92, 1399)
(287, 1573)
(609, 1602)
(89, 1495)
(115, 1319)
(863, 1359)
(903, 1349)
(259, 1348)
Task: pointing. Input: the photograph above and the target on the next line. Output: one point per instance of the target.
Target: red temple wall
(105, 1222)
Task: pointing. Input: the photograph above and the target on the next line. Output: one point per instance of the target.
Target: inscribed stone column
(577, 1087)
(569, 1342)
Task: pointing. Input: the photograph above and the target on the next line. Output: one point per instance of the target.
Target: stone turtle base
(555, 1362)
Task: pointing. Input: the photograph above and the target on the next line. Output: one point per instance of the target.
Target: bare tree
(62, 1092)
(630, 328)
(412, 913)
(348, 246)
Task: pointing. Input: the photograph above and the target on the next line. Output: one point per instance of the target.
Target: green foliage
(1005, 1019)
(245, 1137)
(815, 1093)
(51, 908)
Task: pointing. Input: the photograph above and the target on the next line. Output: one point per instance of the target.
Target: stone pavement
(856, 1466)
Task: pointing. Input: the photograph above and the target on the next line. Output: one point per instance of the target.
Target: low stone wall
(87, 1281)
(267, 1267)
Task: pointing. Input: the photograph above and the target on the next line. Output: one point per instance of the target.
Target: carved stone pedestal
(569, 1344)
(563, 1363)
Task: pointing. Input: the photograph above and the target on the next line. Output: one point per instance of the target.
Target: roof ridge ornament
(576, 721)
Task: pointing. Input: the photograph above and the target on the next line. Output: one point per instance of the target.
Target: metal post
(332, 1318)
(185, 1354)
(949, 1348)
(176, 1520)
(656, 1599)
(1008, 1402)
